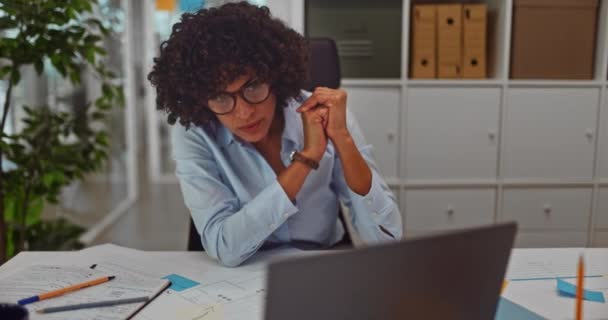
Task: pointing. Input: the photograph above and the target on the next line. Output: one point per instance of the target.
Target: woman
(260, 162)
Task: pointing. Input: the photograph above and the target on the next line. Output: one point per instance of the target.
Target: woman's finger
(308, 104)
(323, 90)
(315, 99)
(322, 110)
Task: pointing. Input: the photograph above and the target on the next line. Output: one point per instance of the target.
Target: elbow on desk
(225, 253)
(225, 256)
(230, 260)
(224, 247)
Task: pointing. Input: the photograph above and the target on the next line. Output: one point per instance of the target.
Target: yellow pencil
(58, 292)
(579, 288)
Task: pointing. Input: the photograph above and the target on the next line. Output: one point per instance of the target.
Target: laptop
(453, 275)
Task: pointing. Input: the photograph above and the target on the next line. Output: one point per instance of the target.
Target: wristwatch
(296, 156)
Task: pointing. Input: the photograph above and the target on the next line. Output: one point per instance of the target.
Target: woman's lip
(251, 126)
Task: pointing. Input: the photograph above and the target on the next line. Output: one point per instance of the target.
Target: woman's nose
(243, 109)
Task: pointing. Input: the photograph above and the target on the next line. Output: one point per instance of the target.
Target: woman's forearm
(293, 177)
(357, 173)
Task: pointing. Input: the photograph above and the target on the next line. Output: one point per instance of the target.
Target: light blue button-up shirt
(238, 205)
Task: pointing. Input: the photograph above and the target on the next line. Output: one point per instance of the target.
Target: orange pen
(58, 292)
(579, 289)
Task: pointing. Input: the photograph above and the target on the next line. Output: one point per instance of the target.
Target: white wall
(291, 12)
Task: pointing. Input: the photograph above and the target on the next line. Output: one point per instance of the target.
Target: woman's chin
(253, 137)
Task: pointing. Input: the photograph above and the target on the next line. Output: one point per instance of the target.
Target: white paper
(212, 312)
(554, 263)
(542, 298)
(242, 285)
(240, 292)
(43, 278)
(38, 279)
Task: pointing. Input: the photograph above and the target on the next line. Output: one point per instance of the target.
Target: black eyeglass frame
(241, 94)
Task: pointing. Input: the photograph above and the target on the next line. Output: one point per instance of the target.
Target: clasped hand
(323, 117)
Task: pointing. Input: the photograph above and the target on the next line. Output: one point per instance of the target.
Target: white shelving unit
(460, 153)
(470, 152)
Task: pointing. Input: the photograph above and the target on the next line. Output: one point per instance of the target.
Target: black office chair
(194, 239)
(324, 65)
(323, 71)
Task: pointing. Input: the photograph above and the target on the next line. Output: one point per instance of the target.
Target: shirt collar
(224, 136)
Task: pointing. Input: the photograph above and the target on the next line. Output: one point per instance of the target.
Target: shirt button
(375, 214)
(285, 215)
(272, 225)
(369, 201)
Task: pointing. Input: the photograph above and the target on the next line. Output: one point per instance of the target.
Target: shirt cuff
(375, 201)
(275, 200)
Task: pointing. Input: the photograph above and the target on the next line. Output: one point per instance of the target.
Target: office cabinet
(432, 210)
(443, 140)
(603, 147)
(601, 217)
(377, 111)
(548, 209)
(396, 190)
(601, 239)
(550, 133)
(451, 133)
(562, 239)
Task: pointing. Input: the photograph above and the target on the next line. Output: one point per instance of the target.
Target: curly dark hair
(211, 48)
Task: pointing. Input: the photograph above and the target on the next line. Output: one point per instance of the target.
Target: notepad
(568, 288)
(180, 283)
(42, 278)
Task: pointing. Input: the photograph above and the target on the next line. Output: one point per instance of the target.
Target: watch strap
(296, 156)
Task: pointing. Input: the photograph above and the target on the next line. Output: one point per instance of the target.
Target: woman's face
(249, 121)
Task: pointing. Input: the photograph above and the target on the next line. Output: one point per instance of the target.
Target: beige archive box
(474, 64)
(554, 39)
(424, 33)
(449, 41)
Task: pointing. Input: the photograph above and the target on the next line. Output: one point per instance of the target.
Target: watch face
(293, 153)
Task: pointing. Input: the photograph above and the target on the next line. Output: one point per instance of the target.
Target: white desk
(199, 267)
(247, 281)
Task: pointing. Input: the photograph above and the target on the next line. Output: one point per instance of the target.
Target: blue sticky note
(179, 283)
(569, 290)
(508, 310)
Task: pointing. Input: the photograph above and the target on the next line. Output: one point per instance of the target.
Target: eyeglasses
(253, 92)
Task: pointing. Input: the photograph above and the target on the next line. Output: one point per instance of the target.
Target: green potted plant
(55, 147)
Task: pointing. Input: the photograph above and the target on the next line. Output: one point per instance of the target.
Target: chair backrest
(194, 239)
(323, 71)
(324, 64)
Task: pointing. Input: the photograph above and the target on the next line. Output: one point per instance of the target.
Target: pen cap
(13, 312)
(25, 301)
